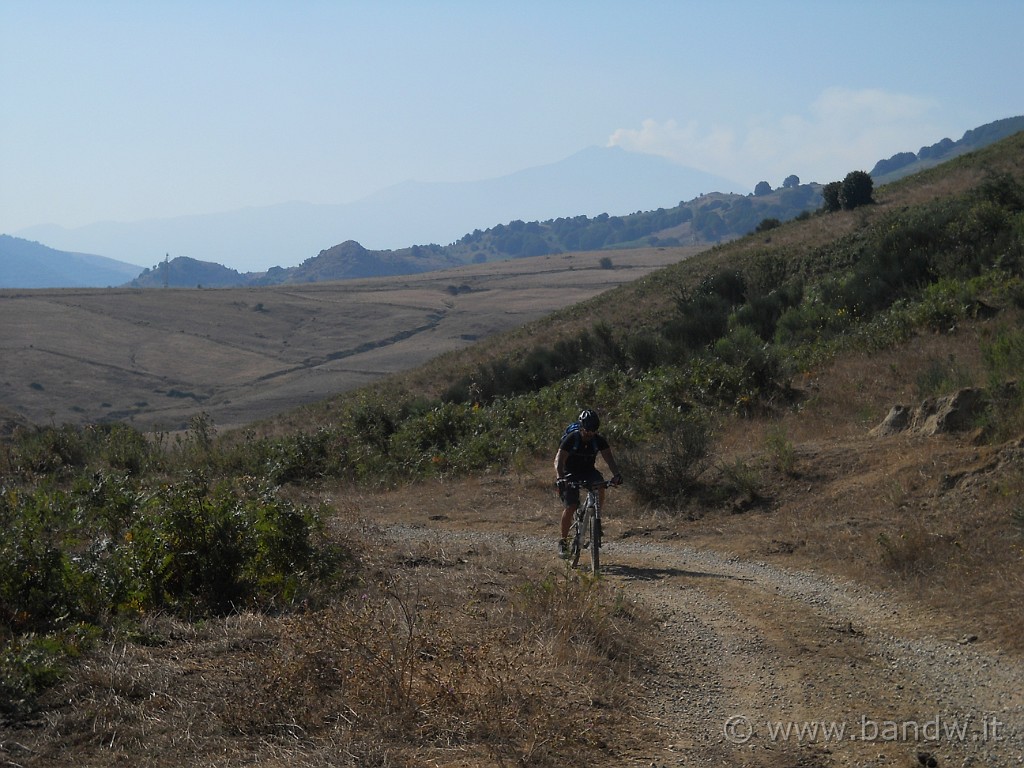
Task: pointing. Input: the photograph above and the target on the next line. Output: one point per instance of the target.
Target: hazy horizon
(119, 111)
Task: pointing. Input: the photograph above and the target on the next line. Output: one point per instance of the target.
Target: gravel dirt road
(757, 665)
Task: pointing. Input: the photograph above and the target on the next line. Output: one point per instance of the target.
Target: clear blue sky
(133, 110)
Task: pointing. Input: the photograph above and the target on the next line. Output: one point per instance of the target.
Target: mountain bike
(585, 531)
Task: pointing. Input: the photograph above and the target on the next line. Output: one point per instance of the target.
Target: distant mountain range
(593, 181)
(26, 264)
(584, 187)
(706, 219)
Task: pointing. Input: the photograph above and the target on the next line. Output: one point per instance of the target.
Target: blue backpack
(573, 429)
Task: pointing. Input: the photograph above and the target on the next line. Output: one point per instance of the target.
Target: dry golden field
(154, 358)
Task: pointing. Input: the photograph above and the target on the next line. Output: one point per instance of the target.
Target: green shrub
(31, 663)
(663, 473)
(306, 456)
(644, 351)
(40, 582)
(1003, 356)
(899, 266)
(47, 450)
(108, 547)
(762, 313)
(781, 451)
(540, 367)
(74, 561)
(940, 377)
(373, 422)
(1003, 190)
(125, 448)
(202, 548)
(739, 484)
(809, 322)
(702, 314)
(943, 304)
(759, 366)
(701, 319)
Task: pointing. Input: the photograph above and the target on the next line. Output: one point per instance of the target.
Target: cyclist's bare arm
(560, 458)
(609, 459)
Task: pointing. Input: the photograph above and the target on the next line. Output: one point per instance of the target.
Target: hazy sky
(133, 110)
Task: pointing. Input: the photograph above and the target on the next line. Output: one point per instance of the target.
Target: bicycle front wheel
(595, 548)
(576, 540)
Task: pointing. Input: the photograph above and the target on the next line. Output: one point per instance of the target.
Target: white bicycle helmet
(589, 420)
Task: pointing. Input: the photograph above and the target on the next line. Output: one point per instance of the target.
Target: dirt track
(761, 666)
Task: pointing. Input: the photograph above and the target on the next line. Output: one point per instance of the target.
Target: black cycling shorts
(570, 495)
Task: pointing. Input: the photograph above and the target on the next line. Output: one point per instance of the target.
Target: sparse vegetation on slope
(728, 342)
(740, 385)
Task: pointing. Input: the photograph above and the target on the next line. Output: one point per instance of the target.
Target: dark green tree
(830, 195)
(856, 190)
(762, 188)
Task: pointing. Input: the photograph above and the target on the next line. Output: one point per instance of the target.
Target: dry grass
(445, 655)
(156, 357)
(934, 519)
(463, 654)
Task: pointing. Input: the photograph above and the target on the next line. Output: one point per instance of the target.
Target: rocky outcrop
(958, 412)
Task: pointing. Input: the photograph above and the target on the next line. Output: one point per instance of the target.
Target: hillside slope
(905, 163)
(27, 264)
(795, 572)
(156, 358)
(801, 249)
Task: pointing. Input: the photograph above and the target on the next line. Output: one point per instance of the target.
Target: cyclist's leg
(564, 543)
(570, 500)
(566, 521)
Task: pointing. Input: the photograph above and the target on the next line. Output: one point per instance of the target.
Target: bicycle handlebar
(584, 484)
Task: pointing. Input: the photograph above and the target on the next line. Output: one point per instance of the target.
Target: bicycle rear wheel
(574, 546)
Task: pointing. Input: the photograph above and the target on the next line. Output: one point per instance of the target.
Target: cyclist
(576, 460)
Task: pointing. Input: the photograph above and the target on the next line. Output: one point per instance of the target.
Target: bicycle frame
(585, 531)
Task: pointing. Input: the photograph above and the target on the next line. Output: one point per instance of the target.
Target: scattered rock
(897, 420)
